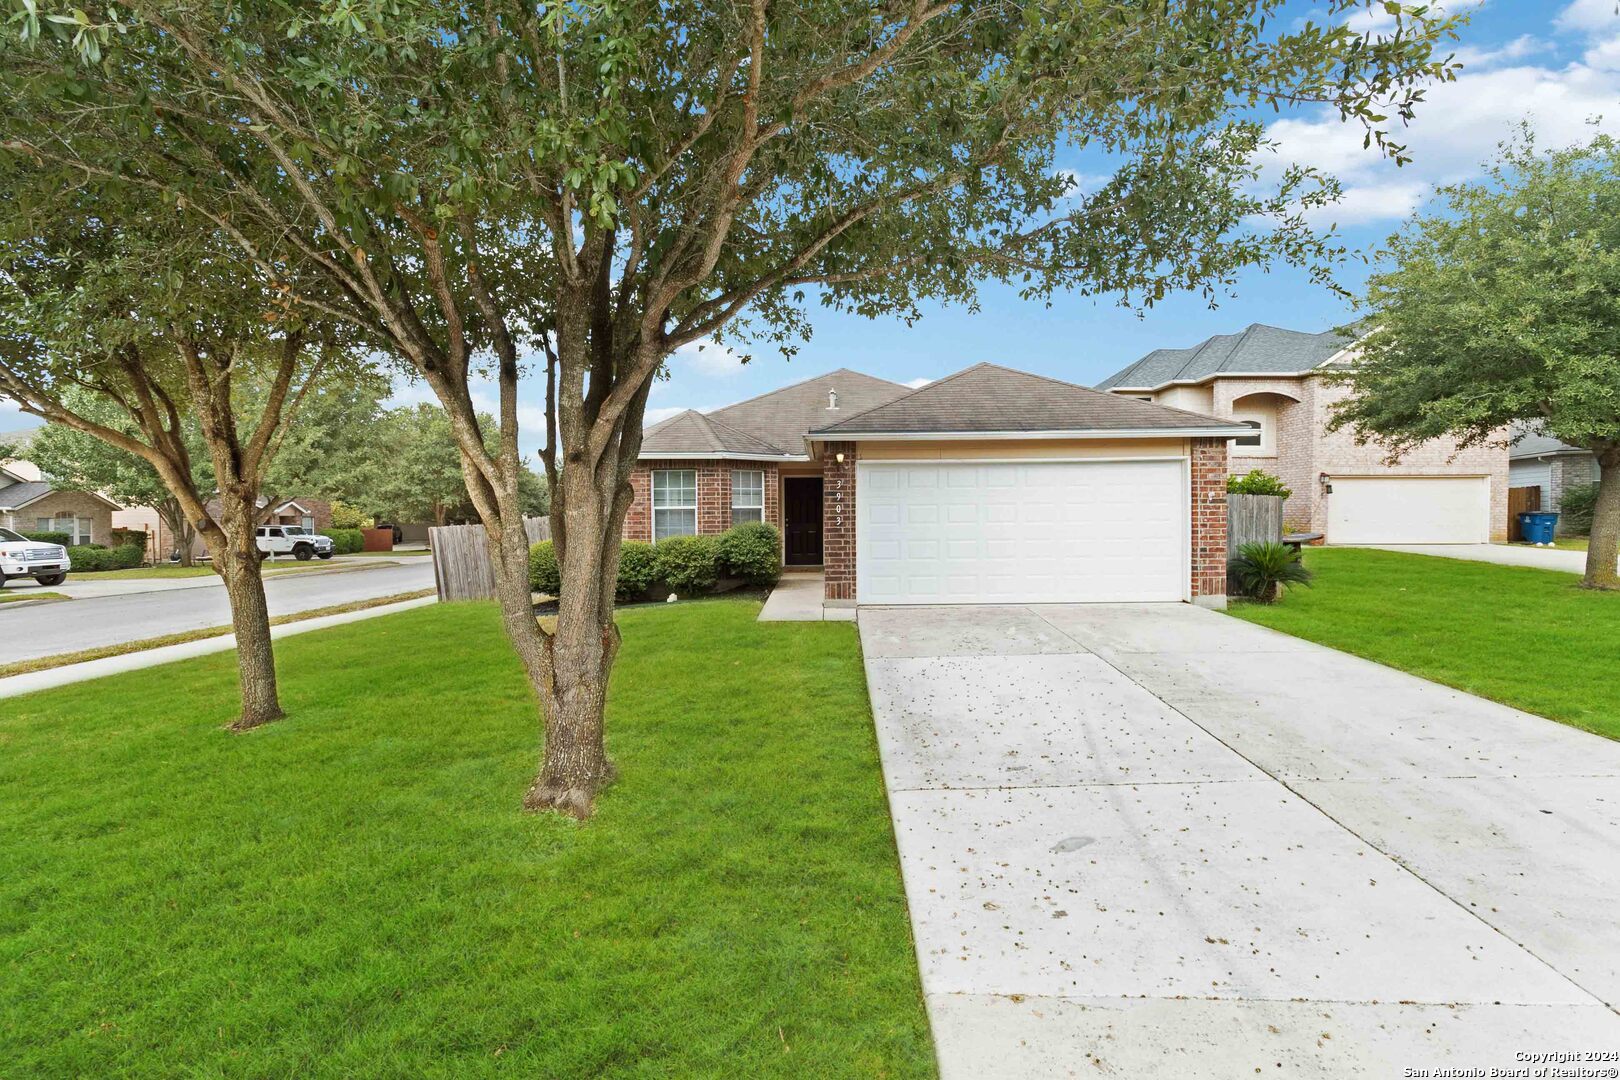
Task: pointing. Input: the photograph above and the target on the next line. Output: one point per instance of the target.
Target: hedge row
(88, 559)
(346, 541)
(685, 564)
(61, 539)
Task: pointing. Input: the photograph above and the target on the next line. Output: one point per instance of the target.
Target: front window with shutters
(747, 496)
(674, 500)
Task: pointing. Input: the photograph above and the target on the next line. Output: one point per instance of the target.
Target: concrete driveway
(1155, 841)
(1570, 562)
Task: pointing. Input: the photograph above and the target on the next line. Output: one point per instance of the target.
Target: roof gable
(990, 399)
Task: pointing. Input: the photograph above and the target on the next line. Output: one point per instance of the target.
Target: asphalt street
(34, 630)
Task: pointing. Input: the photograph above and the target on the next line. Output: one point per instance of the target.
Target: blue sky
(1553, 62)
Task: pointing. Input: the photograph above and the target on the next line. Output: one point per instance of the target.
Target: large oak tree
(586, 187)
(1503, 306)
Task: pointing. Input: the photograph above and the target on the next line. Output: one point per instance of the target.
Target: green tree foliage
(1257, 482)
(1501, 307)
(587, 187)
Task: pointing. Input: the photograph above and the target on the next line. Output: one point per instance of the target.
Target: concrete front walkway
(1573, 562)
(798, 598)
(1154, 841)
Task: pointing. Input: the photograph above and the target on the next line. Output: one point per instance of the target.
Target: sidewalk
(798, 598)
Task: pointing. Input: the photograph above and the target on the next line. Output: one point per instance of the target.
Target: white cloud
(1589, 16)
(917, 383)
(1377, 19)
(1459, 125)
(1524, 45)
(707, 357)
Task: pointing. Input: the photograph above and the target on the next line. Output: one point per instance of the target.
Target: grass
(1528, 638)
(42, 663)
(13, 597)
(353, 891)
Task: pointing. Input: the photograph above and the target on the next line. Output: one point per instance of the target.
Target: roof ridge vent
(832, 398)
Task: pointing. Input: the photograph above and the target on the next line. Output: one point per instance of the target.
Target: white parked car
(47, 564)
(294, 540)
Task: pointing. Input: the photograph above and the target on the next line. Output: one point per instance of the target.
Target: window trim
(736, 506)
(652, 495)
(1259, 436)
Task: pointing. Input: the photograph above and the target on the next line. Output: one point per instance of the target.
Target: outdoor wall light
(839, 457)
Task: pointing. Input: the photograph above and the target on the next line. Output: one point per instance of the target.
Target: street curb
(33, 681)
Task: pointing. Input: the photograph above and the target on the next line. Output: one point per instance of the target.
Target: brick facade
(74, 504)
(838, 520)
(713, 495)
(1208, 464)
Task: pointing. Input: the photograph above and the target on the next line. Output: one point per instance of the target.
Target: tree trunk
(180, 532)
(575, 765)
(1603, 547)
(236, 557)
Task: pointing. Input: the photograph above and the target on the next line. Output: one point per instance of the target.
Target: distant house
(1271, 380)
(307, 511)
(1541, 461)
(28, 503)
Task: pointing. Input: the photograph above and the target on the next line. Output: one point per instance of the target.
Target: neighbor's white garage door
(1409, 510)
(1026, 532)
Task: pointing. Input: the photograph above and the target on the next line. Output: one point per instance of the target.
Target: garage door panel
(1409, 510)
(1021, 533)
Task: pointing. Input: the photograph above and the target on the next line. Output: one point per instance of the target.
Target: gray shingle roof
(16, 495)
(1530, 442)
(988, 398)
(773, 424)
(1258, 349)
(691, 432)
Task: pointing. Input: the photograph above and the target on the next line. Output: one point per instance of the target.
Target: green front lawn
(353, 891)
(1532, 639)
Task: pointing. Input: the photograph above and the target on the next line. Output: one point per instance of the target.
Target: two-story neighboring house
(1271, 379)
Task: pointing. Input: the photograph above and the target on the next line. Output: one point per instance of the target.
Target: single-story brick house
(29, 503)
(987, 486)
(1275, 382)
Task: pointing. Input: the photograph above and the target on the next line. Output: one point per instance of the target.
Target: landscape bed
(1533, 639)
(354, 890)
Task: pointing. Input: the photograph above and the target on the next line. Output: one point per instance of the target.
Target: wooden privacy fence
(1521, 500)
(461, 566)
(1251, 518)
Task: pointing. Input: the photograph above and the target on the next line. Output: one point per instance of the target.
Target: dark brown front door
(801, 503)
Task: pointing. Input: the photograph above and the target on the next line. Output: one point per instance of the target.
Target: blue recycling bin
(1537, 528)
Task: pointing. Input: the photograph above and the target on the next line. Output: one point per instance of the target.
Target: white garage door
(1026, 532)
(1409, 510)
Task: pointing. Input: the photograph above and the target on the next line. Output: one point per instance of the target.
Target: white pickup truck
(47, 564)
(294, 540)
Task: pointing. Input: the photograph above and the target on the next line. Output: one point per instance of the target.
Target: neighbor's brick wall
(1208, 464)
(1293, 438)
(714, 495)
(1338, 455)
(73, 503)
(1565, 473)
(838, 521)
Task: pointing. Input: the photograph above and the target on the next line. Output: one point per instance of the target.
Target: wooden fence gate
(1521, 500)
(461, 566)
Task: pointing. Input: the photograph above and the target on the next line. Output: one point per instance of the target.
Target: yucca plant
(1261, 569)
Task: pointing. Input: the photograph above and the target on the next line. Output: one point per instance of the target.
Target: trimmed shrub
(1260, 570)
(638, 568)
(751, 551)
(1256, 482)
(1575, 510)
(687, 564)
(346, 541)
(61, 539)
(90, 558)
(544, 576)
